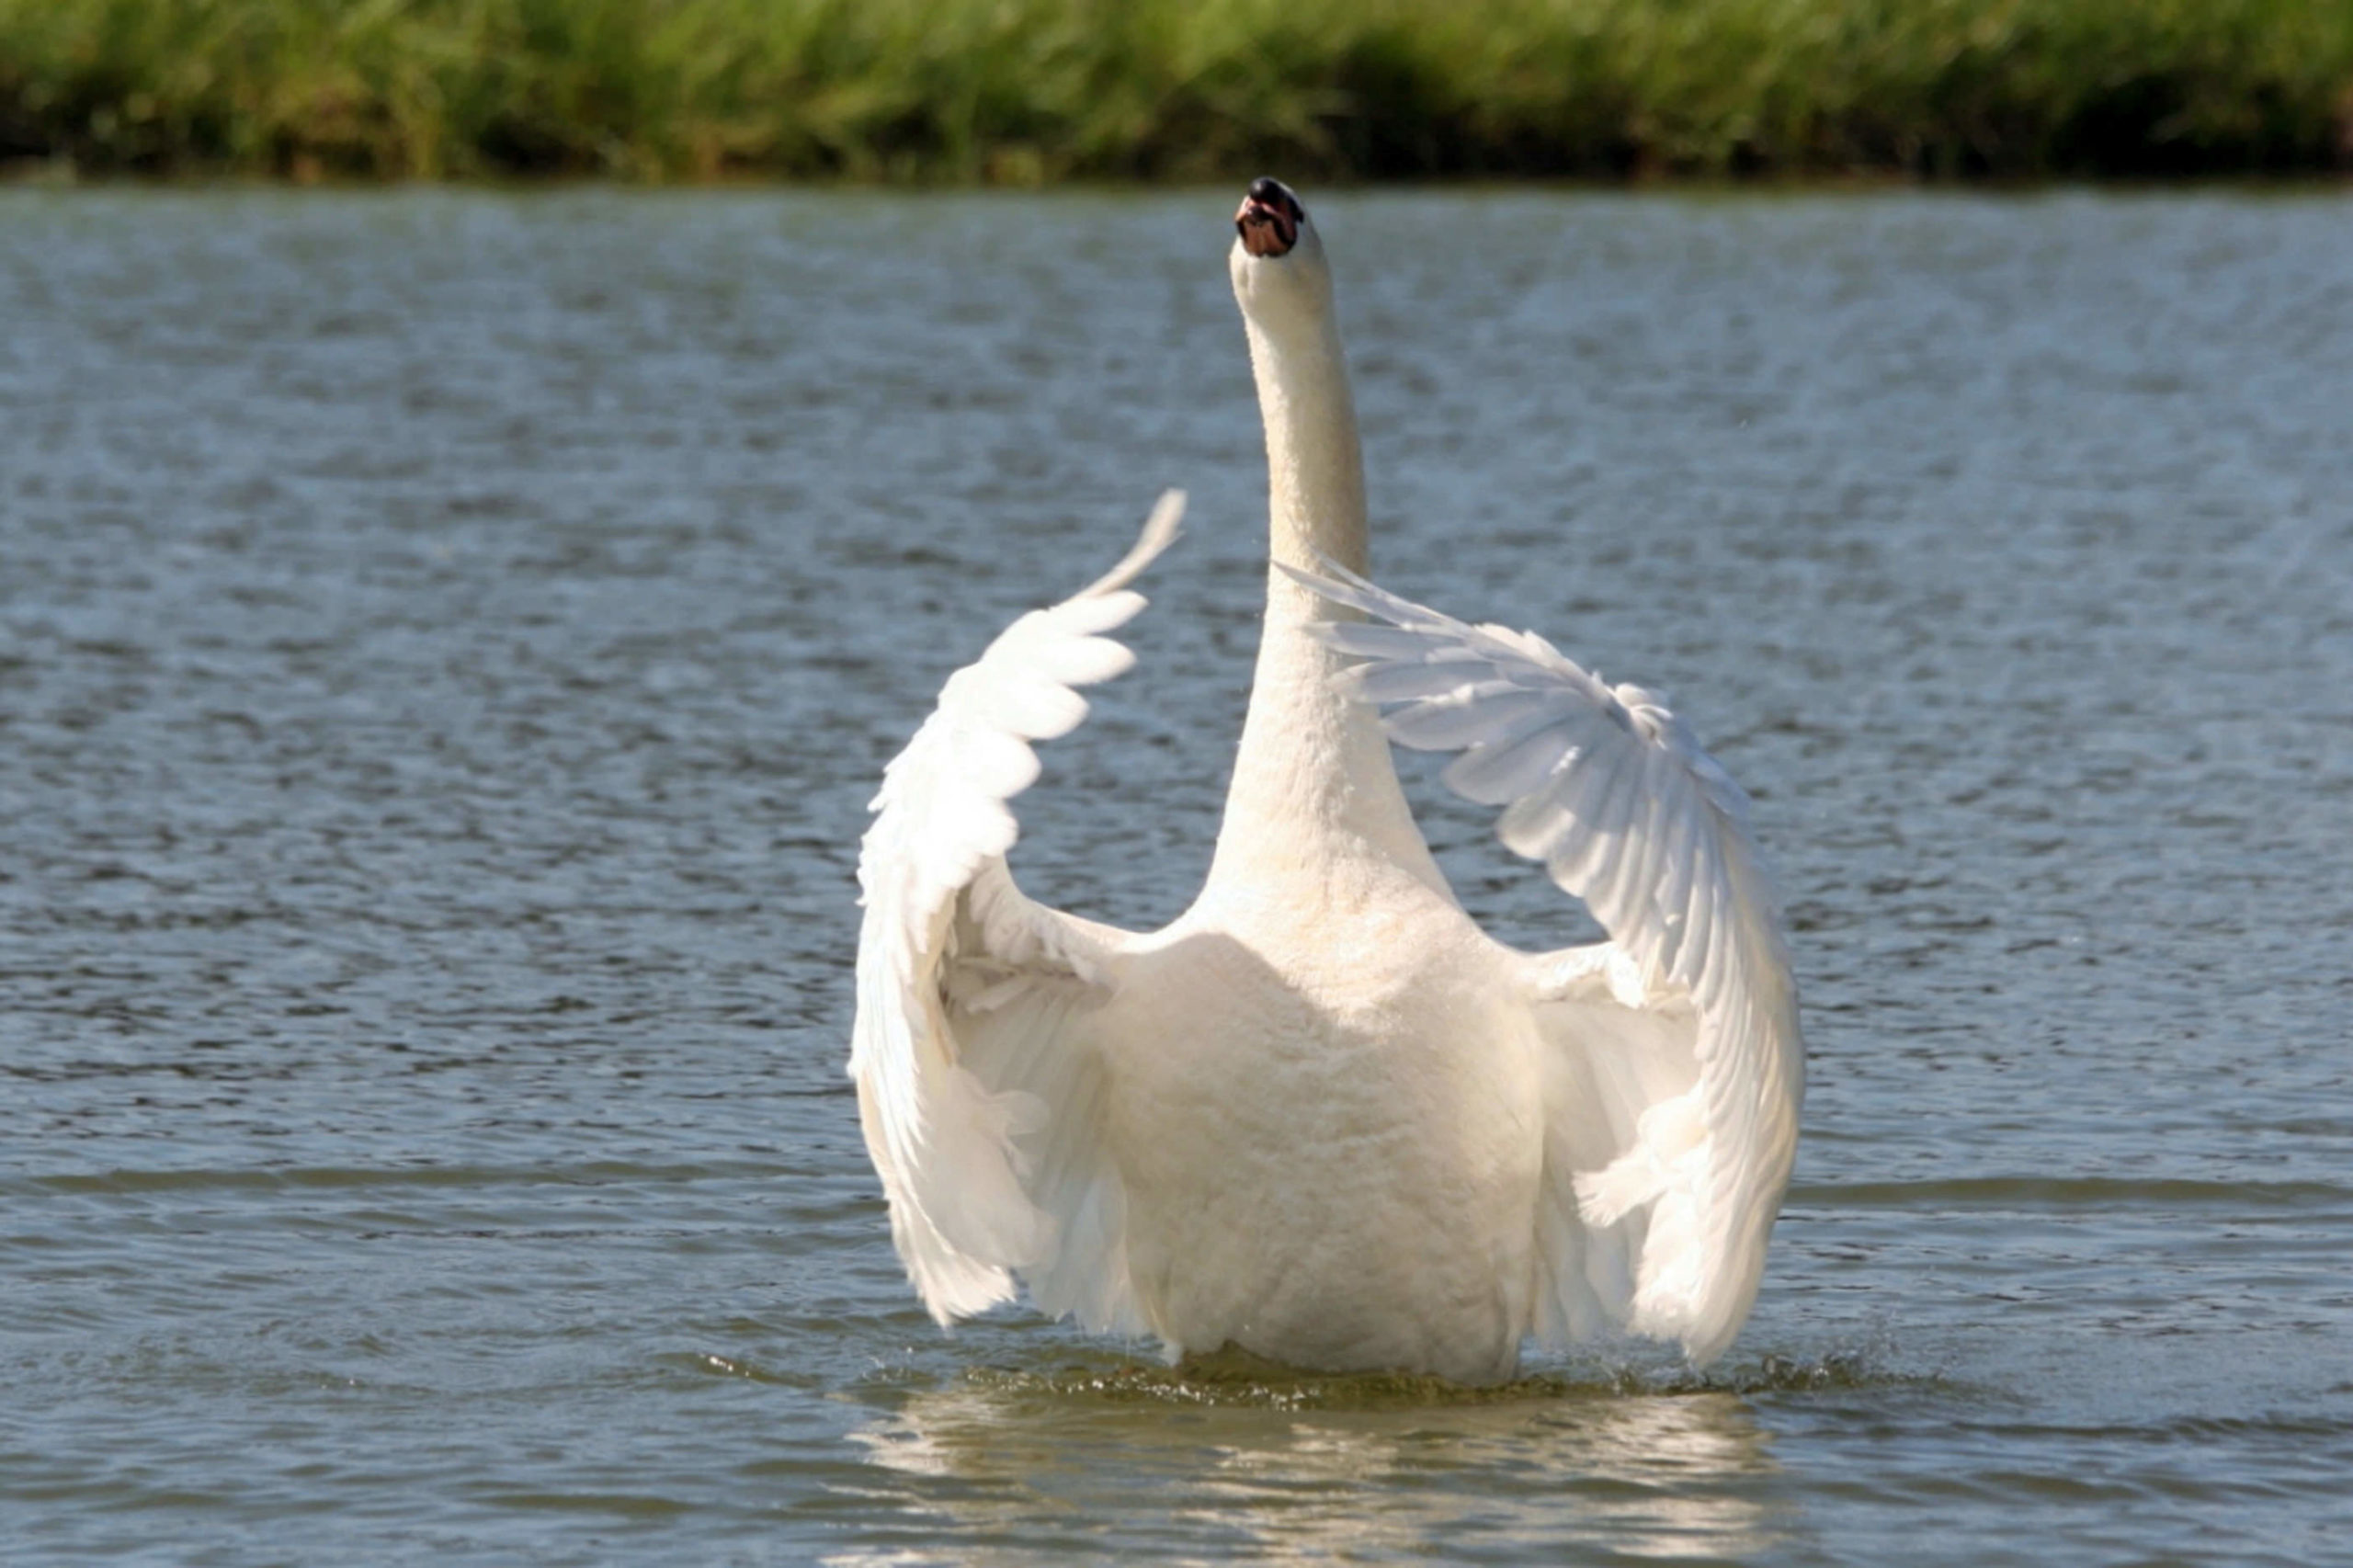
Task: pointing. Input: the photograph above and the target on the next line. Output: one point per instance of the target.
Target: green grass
(1019, 91)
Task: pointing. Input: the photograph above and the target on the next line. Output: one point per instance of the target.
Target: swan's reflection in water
(1023, 1466)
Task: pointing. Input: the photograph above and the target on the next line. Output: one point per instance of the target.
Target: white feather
(1321, 1115)
(1628, 813)
(969, 1205)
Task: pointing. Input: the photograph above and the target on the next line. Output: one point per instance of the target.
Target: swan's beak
(1268, 222)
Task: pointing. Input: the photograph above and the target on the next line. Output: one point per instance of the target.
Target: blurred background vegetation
(1023, 91)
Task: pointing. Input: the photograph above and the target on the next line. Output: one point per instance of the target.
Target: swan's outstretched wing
(977, 1080)
(1674, 1066)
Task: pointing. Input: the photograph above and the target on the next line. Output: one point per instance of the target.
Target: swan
(1323, 1117)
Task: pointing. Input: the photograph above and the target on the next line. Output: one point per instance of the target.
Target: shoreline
(2329, 181)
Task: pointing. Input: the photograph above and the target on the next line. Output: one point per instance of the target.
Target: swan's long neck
(1313, 789)
(1314, 465)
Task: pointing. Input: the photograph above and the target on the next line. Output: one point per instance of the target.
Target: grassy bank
(1025, 90)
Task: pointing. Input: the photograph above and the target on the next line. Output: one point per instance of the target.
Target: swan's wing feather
(978, 1080)
(1680, 1063)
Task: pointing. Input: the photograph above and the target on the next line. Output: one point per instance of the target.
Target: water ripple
(448, 640)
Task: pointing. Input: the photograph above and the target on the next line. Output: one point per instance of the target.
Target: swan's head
(1280, 274)
(1270, 219)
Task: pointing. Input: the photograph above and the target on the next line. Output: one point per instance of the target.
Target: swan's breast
(1331, 1136)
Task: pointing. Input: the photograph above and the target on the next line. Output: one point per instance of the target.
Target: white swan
(1323, 1117)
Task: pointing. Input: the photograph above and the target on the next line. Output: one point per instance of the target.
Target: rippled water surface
(447, 642)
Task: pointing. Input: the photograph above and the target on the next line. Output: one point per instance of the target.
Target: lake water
(448, 640)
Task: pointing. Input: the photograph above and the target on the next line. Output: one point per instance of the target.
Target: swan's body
(1323, 1115)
